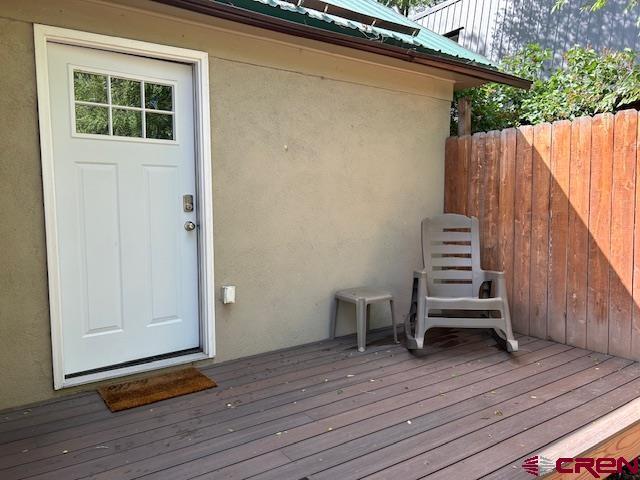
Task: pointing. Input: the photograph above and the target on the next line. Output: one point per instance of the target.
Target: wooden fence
(557, 207)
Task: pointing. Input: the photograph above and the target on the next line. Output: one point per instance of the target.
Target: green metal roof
(425, 41)
(373, 9)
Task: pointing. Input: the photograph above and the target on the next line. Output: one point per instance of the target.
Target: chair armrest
(492, 275)
(498, 282)
(421, 276)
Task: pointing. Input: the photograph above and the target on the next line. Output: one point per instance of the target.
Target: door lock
(189, 226)
(187, 203)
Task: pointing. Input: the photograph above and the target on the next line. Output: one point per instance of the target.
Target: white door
(124, 159)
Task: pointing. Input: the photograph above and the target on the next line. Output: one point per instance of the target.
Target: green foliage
(589, 83)
(592, 5)
(89, 87)
(92, 119)
(495, 106)
(405, 6)
(595, 5)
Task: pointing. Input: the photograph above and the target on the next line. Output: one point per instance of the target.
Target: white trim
(43, 35)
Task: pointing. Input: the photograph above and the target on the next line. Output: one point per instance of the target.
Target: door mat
(121, 396)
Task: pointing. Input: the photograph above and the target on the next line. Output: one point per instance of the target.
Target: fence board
(635, 321)
(599, 232)
(578, 234)
(558, 227)
(464, 153)
(475, 174)
(489, 214)
(451, 170)
(541, 176)
(506, 205)
(621, 265)
(558, 210)
(522, 230)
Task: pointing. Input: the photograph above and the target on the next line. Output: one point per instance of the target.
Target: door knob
(189, 226)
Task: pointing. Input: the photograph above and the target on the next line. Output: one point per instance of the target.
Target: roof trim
(248, 17)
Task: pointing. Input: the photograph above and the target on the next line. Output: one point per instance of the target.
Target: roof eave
(247, 17)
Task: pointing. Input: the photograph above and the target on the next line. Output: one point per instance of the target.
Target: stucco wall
(323, 167)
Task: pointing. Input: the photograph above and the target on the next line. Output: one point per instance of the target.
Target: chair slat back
(451, 255)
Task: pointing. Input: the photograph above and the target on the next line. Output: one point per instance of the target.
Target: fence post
(464, 116)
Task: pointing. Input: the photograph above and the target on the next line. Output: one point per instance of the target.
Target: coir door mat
(121, 396)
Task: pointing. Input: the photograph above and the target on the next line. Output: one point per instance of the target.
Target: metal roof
(425, 41)
(374, 9)
(434, 8)
(425, 48)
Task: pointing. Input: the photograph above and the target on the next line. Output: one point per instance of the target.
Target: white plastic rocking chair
(450, 291)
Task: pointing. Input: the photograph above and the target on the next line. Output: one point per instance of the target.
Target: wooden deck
(323, 411)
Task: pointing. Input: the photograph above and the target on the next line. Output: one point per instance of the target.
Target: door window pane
(127, 123)
(92, 119)
(125, 92)
(159, 125)
(122, 107)
(90, 87)
(158, 97)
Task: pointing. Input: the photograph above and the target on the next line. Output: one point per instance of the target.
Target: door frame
(43, 36)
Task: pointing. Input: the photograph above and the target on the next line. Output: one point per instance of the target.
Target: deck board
(324, 411)
(458, 421)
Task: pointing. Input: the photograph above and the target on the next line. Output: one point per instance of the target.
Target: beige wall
(323, 167)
